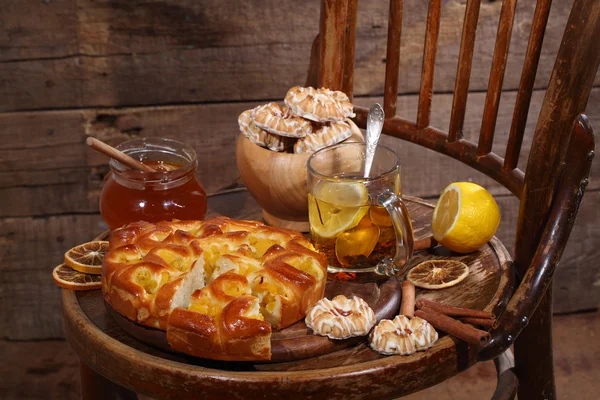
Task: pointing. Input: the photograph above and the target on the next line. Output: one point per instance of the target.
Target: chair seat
(354, 372)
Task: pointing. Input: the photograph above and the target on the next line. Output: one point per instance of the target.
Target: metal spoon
(374, 125)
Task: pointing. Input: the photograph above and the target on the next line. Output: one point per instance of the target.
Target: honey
(171, 192)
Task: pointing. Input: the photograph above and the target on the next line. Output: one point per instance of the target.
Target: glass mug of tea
(360, 223)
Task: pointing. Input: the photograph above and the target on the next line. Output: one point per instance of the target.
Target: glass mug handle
(404, 235)
(404, 240)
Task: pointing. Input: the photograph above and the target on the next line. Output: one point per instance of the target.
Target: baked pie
(218, 287)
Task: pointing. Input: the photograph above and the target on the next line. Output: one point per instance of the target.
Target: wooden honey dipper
(118, 155)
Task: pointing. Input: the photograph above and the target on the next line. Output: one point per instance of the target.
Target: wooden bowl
(278, 182)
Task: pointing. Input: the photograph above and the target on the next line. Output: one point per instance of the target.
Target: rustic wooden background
(185, 69)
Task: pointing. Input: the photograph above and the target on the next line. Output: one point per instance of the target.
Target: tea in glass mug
(360, 223)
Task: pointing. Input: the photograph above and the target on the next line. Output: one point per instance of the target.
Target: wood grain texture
(463, 70)
(34, 30)
(107, 53)
(575, 280)
(558, 144)
(38, 180)
(574, 71)
(449, 169)
(30, 248)
(530, 67)
(428, 69)
(96, 387)
(350, 50)
(492, 99)
(392, 58)
(332, 38)
(462, 150)
(122, 361)
(528, 316)
(552, 196)
(49, 368)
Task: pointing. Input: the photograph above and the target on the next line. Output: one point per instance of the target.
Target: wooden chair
(550, 191)
(554, 181)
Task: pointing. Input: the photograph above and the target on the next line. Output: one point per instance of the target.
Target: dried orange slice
(87, 258)
(68, 278)
(438, 274)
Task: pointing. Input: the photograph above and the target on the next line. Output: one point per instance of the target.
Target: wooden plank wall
(186, 69)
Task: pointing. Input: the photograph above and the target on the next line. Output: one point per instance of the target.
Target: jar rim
(146, 149)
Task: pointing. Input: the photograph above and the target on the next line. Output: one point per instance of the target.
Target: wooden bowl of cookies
(275, 145)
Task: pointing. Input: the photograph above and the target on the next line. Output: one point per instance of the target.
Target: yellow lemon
(466, 216)
(335, 207)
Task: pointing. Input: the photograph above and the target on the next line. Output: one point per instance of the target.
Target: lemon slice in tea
(87, 258)
(380, 217)
(438, 274)
(335, 207)
(68, 278)
(356, 242)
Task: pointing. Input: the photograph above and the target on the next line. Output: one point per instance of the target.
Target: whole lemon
(466, 216)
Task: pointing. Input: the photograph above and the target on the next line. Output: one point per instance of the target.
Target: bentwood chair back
(552, 185)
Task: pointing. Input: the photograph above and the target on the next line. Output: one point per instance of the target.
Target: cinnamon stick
(424, 244)
(454, 327)
(483, 322)
(408, 299)
(454, 311)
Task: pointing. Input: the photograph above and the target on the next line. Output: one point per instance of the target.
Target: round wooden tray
(353, 372)
(295, 342)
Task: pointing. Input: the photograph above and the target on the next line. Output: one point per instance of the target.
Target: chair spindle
(463, 73)
(332, 41)
(567, 95)
(390, 94)
(427, 72)
(348, 82)
(532, 58)
(492, 98)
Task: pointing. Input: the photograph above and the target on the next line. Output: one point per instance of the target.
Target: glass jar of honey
(171, 192)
